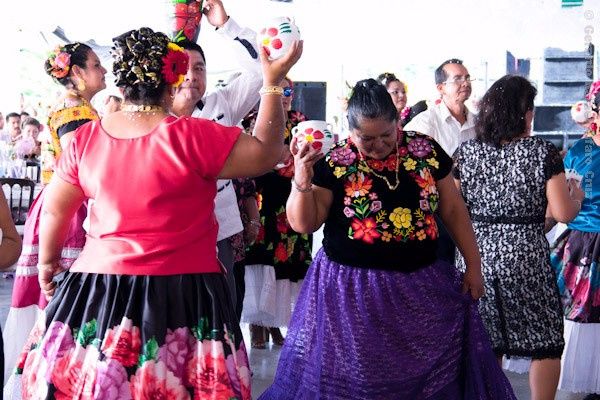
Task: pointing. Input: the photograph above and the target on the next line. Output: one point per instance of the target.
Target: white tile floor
(264, 362)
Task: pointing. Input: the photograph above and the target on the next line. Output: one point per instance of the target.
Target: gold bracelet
(271, 90)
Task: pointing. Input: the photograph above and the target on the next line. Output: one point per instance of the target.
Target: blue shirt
(584, 158)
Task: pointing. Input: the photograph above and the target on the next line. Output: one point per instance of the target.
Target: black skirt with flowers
(137, 337)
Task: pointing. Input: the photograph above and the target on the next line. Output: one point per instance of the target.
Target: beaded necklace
(384, 178)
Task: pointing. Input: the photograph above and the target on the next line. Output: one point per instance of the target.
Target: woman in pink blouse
(145, 311)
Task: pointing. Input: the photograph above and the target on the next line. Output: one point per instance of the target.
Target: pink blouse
(152, 197)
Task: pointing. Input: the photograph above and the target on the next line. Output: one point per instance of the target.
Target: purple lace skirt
(373, 334)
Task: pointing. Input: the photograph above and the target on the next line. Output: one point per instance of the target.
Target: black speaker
(310, 99)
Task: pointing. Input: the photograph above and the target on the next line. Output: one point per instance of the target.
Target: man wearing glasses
(226, 106)
(449, 121)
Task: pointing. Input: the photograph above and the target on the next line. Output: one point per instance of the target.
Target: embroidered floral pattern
(370, 220)
(73, 108)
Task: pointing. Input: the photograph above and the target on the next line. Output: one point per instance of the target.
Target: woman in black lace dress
(508, 179)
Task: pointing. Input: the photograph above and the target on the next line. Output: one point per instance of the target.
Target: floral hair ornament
(60, 62)
(594, 90)
(175, 65)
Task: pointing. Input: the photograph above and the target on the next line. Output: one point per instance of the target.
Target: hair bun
(144, 58)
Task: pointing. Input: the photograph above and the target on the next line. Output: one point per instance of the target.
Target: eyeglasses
(288, 91)
(459, 80)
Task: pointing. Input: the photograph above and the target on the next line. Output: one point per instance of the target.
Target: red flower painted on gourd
(123, 343)
(281, 253)
(365, 230)
(312, 136)
(153, 380)
(271, 32)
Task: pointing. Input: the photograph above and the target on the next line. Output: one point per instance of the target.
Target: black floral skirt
(137, 337)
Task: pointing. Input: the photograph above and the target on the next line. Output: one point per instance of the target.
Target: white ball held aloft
(277, 36)
(581, 111)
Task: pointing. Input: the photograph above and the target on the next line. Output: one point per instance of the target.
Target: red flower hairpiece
(60, 62)
(175, 65)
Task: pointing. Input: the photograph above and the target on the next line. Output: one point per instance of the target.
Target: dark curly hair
(78, 55)
(138, 65)
(371, 100)
(502, 110)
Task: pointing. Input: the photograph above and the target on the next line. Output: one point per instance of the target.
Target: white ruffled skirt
(268, 302)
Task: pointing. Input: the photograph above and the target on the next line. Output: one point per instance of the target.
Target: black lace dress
(505, 191)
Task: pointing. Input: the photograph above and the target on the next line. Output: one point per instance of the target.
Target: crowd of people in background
(176, 213)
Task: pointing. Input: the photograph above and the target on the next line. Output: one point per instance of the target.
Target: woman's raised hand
(275, 70)
(305, 158)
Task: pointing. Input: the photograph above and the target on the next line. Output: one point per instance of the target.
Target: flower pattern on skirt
(113, 356)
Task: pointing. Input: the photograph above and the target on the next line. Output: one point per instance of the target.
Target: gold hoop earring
(80, 85)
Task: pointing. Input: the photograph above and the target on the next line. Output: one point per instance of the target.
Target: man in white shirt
(13, 124)
(448, 121)
(226, 106)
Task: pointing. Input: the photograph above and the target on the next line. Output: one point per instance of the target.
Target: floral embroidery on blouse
(369, 218)
(285, 244)
(73, 108)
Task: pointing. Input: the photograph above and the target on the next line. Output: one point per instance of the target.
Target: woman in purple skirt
(378, 317)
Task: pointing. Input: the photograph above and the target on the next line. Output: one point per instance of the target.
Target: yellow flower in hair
(174, 47)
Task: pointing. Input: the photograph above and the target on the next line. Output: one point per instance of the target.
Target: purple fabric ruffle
(374, 334)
